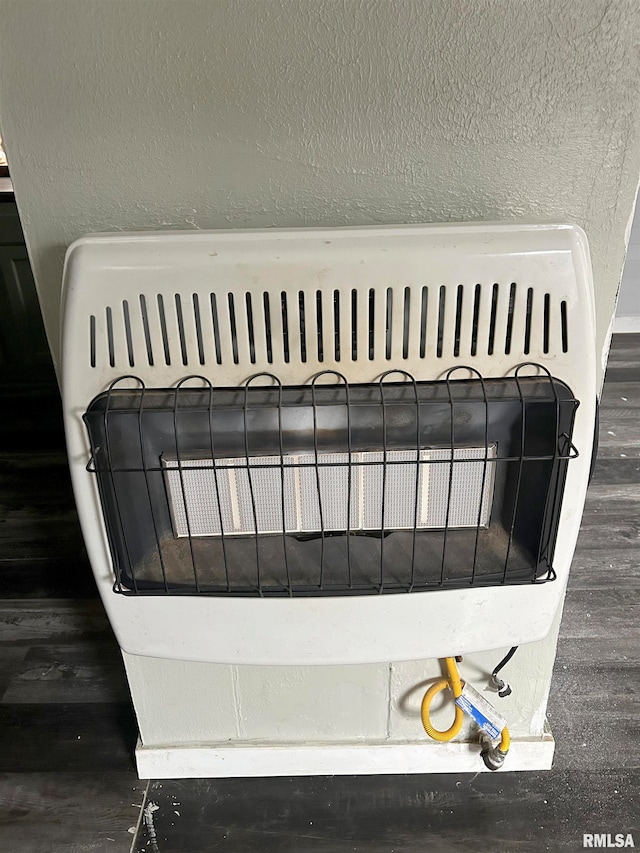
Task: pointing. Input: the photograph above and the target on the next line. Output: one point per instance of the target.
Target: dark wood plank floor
(67, 731)
(488, 813)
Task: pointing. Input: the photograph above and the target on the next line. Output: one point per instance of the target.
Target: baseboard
(330, 759)
(622, 325)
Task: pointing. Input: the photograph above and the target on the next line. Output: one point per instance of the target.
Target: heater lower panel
(329, 630)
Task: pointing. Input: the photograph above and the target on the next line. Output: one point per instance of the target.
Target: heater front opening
(331, 489)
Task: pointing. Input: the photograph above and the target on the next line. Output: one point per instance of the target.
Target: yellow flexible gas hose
(494, 757)
(453, 681)
(505, 740)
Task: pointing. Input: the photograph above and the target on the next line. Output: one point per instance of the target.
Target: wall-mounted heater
(330, 446)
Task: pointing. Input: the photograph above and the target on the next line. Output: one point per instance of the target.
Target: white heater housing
(362, 301)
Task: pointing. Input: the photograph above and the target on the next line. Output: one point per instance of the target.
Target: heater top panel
(229, 304)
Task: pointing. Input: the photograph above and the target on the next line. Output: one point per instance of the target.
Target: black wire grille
(332, 488)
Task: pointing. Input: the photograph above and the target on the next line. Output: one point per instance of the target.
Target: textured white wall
(229, 113)
(628, 310)
(240, 113)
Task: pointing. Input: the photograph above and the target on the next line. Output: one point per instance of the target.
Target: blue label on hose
(483, 712)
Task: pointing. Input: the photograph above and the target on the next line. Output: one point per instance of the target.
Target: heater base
(334, 759)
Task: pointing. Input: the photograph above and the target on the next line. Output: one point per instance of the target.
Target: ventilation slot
(492, 322)
(198, 323)
(372, 322)
(388, 322)
(303, 336)
(180, 319)
(127, 332)
(423, 321)
(216, 328)
(442, 297)
(565, 327)
(267, 327)
(354, 324)
(510, 313)
(232, 328)
(336, 324)
(527, 328)
(163, 330)
(92, 341)
(547, 320)
(250, 329)
(145, 328)
(456, 341)
(319, 338)
(285, 326)
(476, 319)
(110, 342)
(406, 308)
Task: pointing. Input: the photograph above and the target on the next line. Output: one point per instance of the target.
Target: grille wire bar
(343, 382)
(423, 480)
